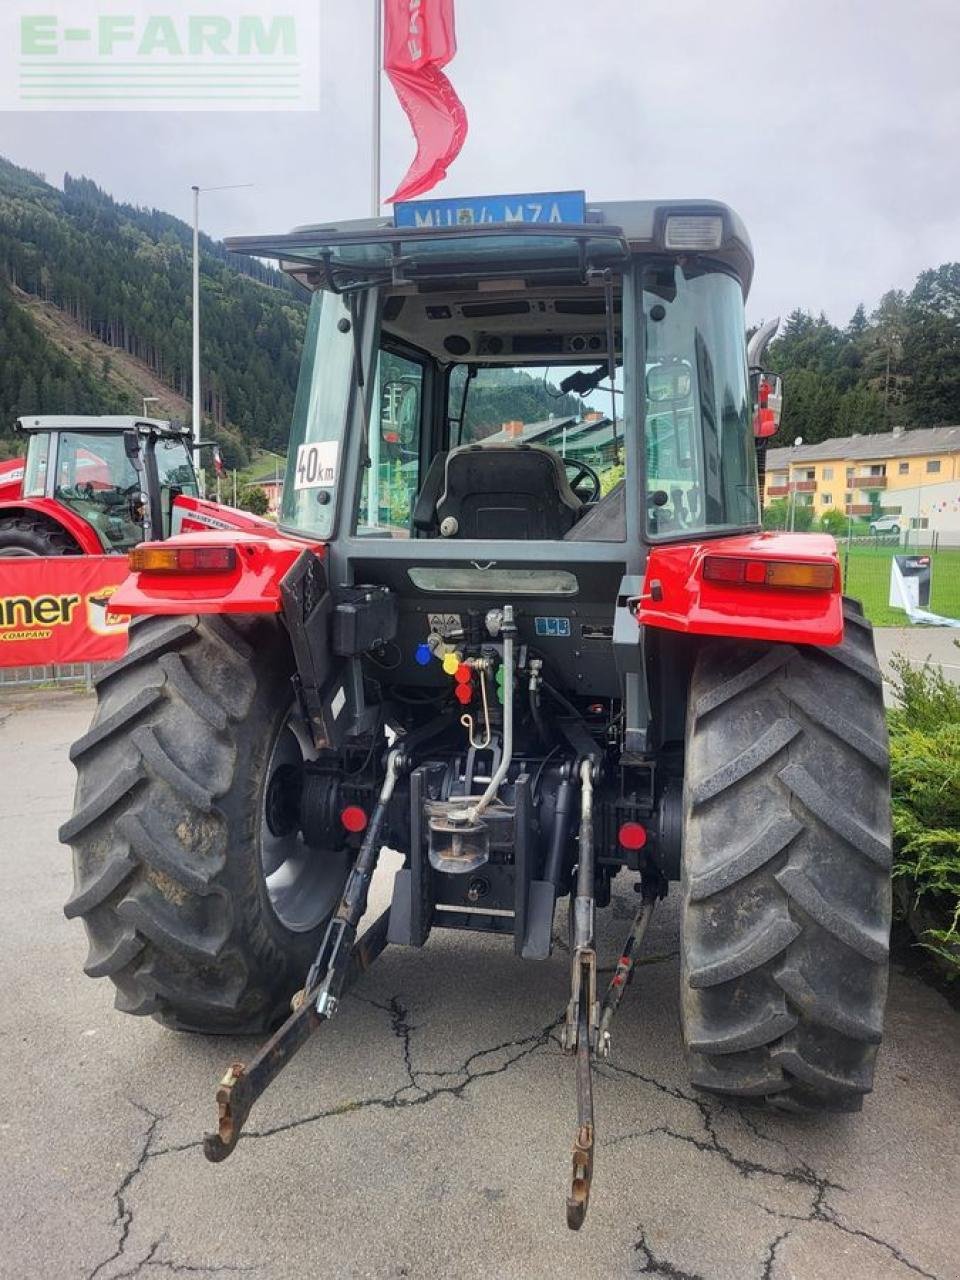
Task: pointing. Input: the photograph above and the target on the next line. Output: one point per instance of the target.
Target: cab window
(95, 478)
(390, 477)
(175, 476)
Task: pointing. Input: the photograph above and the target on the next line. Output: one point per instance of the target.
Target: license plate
(544, 207)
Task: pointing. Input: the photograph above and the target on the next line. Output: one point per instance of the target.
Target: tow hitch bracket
(586, 1031)
(340, 960)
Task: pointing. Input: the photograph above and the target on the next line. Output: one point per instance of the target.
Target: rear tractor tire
(786, 879)
(200, 899)
(28, 535)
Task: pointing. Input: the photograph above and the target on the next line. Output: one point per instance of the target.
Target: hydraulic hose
(508, 632)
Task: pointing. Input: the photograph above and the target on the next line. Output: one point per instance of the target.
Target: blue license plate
(543, 207)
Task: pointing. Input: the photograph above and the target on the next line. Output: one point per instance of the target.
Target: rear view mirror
(400, 416)
(667, 383)
(767, 403)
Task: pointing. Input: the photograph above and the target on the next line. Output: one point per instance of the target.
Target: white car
(885, 524)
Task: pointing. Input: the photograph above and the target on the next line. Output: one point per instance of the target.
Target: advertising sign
(56, 609)
(910, 582)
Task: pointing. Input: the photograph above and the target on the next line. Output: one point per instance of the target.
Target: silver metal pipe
(506, 759)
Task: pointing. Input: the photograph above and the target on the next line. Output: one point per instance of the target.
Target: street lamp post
(149, 400)
(196, 319)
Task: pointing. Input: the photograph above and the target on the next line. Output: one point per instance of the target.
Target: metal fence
(75, 675)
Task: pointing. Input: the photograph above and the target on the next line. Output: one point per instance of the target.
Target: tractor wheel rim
(303, 883)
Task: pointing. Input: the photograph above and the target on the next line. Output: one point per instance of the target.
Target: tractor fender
(11, 479)
(677, 597)
(194, 515)
(252, 586)
(83, 534)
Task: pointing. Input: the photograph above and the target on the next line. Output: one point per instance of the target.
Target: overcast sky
(832, 127)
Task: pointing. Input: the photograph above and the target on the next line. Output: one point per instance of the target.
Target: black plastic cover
(364, 617)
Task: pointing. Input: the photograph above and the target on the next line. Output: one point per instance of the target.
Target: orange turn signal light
(160, 559)
(769, 573)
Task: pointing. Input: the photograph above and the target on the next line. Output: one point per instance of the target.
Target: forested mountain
(123, 275)
(120, 279)
(897, 366)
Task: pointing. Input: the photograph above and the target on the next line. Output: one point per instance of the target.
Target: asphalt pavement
(426, 1132)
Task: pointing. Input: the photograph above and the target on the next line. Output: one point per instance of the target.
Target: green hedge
(925, 780)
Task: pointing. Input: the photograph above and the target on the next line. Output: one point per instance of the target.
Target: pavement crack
(402, 1029)
(770, 1257)
(800, 1175)
(653, 1265)
(465, 1075)
(710, 1142)
(822, 1211)
(171, 1265)
(123, 1216)
(144, 1262)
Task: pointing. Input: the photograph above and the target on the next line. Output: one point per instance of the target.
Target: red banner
(57, 609)
(420, 41)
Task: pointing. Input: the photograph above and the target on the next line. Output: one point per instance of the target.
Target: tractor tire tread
(179, 924)
(37, 534)
(786, 931)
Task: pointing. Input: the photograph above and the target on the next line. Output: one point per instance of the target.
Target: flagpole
(377, 70)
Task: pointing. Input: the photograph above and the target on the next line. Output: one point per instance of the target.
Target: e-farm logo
(159, 55)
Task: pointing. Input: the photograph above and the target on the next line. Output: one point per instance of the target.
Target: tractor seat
(507, 491)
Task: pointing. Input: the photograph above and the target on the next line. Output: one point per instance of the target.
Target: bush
(776, 515)
(255, 500)
(835, 522)
(925, 782)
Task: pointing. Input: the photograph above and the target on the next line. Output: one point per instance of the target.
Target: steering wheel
(581, 471)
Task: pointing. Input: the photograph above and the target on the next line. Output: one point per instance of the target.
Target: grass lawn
(868, 579)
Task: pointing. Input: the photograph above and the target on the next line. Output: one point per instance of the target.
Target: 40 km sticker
(316, 465)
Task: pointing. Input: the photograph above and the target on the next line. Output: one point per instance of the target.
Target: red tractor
(100, 486)
(533, 653)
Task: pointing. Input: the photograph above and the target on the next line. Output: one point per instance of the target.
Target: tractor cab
(576, 375)
(104, 483)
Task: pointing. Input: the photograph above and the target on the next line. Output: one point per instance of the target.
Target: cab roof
(334, 255)
(105, 422)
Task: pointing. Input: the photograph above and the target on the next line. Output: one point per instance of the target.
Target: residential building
(910, 473)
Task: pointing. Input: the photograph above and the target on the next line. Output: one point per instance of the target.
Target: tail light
(769, 573)
(160, 559)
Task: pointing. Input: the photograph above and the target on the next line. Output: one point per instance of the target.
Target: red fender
(11, 478)
(83, 534)
(253, 586)
(689, 603)
(196, 515)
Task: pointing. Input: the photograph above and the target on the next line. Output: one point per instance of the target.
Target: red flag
(420, 40)
(218, 466)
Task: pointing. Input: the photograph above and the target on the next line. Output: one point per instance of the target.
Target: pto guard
(676, 597)
(252, 587)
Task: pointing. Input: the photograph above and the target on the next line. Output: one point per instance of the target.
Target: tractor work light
(149, 559)
(769, 573)
(693, 231)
